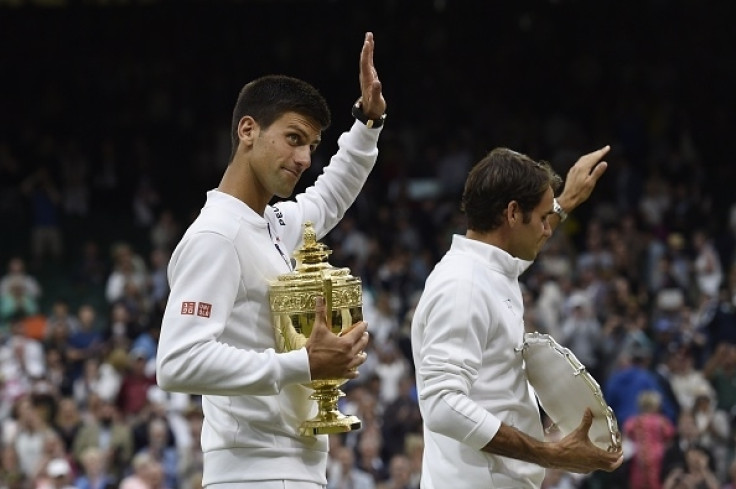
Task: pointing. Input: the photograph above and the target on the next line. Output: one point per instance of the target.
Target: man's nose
(303, 157)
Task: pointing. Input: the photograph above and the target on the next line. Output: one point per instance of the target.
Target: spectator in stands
(108, 432)
(580, 331)
(344, 474)
(16, 302)
(30, 438)
(47, 240)
(128, 268)
(687, 382)
(650, 432)
(401, 417)
(399, 474)
(22, 359)
(159, 406)
(686, 436)
(707, 263)
(158, 282)
(632, 377)
(100, 379)
(714, 431)
(165, 232)
(134, 387)
(17, 273)
(731, 484)
(67, 422)
(86, 342)
(191, 458)
(697, 474)
(11, 474)
(720, 370)
(160, 448)
(90, 269)
(53, 451)
(140, 478)
(60, 313)
(369, 449)
(59, 475)
(93, 471)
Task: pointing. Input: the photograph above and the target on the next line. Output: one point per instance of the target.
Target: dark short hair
(501, 176)
(267, 98)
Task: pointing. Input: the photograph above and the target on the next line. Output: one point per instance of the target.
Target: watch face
(557, 209)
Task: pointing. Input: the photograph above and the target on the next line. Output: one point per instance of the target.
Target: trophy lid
(296, 292)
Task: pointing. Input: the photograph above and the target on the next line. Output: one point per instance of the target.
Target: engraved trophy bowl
(292, 299)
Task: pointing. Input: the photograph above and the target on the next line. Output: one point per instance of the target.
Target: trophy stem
(329, 419)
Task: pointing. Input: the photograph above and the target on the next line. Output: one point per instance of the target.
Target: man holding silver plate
(482, 424)
(217, 337)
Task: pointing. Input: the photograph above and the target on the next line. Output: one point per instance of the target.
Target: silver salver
(564, 388)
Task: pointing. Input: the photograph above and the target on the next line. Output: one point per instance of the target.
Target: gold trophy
(292, 300)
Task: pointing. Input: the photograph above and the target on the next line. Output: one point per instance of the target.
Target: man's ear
(247, 130)
(513, 213)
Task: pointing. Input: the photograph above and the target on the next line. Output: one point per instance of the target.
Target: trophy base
(339, 424)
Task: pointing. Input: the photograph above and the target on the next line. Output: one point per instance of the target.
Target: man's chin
(284, 194)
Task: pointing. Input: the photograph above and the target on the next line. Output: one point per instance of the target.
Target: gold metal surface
(292, 301)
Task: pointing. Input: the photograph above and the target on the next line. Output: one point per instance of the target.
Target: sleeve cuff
(484, 432)
(295, 367)
(362, 138)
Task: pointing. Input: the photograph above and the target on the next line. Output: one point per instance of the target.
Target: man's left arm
(336, 189)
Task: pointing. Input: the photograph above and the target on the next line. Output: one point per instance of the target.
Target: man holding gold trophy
(219, 337)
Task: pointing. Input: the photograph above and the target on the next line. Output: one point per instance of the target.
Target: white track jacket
(470, 378)
(217, 337)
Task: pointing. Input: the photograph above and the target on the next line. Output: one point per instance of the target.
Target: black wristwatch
(360, 115)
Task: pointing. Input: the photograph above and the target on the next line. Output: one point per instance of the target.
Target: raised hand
(582, 178)
(374, 104)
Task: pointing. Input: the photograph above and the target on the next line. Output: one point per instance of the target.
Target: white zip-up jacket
(470, 377)
(217, 337)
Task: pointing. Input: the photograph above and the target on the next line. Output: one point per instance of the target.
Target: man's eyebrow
(303, 133)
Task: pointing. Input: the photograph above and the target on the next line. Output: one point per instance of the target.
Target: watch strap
(358, 113)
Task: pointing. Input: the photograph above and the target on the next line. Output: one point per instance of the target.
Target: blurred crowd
(640, 282)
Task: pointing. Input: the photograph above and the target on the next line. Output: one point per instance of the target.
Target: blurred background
(114, 122)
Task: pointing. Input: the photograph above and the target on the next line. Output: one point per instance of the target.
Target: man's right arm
(205, 278)
(573, 453)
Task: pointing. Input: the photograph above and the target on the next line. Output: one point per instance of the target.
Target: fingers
(320, 319)
(587, 421)
(590, 160)
(598, 170)
(367, 69)
(371, 89)
(358, 360)
(617, 463)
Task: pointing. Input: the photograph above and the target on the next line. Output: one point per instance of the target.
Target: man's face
(529, 237)
(282, 152)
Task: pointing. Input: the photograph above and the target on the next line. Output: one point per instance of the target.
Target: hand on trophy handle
(332, 356)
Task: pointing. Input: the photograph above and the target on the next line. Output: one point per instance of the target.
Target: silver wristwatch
(557, 209)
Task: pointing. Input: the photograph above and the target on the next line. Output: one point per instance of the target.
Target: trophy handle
(327, 290)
